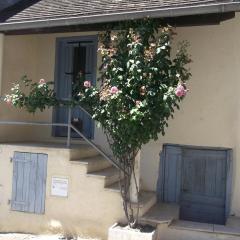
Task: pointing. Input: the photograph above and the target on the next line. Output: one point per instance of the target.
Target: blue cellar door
(196, 179)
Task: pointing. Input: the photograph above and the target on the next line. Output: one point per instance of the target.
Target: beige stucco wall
(34, 56)
(209, 115)
(89, 208)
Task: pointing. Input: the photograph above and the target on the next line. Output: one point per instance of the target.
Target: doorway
(76, 60)
(198, 179)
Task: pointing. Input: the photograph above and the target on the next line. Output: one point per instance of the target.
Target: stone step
(94, 163)
(146, 200)
(110, 175)
(187, 230)
(113, 187)
(161, 213)
(82, 151)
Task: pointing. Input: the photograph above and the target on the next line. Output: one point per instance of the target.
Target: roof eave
(105, 18)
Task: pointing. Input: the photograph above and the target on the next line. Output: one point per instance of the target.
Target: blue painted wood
(229, 181)
(19, 198)
(64, 83)
(29, 182)
(199, 179)
(171, 165)
(160, 182)
(32, 184)
(66, 47)
(40, 186)
(203, 190)
(26, 181)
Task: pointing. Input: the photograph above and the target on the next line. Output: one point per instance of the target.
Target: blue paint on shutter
(19, 198)
(33, 180)
(41, 183)
(29, 182)
(170, 167)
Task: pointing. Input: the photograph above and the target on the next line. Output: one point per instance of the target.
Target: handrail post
(69, 128)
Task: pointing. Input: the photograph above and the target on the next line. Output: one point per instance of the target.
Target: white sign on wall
(59, 187)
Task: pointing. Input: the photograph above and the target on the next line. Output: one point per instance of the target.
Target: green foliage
(39, 96)
(141, 86)
(138, 65)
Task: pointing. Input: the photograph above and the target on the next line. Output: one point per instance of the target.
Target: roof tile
(52, 9)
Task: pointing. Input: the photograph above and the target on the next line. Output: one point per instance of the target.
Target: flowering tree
(141, 85)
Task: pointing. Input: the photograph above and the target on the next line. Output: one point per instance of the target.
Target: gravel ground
(13, 236)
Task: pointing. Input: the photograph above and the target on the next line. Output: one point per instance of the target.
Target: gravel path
(13, 236)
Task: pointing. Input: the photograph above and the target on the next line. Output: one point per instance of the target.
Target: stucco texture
(88, 209)
(209, 115)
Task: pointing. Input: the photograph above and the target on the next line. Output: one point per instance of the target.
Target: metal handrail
(69, 126)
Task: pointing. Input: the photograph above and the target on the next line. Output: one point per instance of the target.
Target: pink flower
(114, 90)
(138, 103)
(142, 90)
(42, 81)
(9, 101)
(181, 90)
(87, 84)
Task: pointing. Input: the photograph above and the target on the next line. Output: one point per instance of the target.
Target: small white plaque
(59, 187)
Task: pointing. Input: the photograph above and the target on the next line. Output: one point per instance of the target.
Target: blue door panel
(196, 178)
(65, 72)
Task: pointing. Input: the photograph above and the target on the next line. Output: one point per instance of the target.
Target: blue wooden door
(197, 180)
(75, 56)
(203, 186)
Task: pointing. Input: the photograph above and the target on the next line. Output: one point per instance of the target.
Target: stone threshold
(164, 213)
(161, 213)
(227, 229)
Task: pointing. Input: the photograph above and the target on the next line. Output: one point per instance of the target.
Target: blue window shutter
(32, 184)
(29, 182)
(41, 183)
(20, 185)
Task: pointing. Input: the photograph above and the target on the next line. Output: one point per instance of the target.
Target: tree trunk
(135, 180)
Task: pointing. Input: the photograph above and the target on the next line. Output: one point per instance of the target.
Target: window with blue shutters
(29, 182)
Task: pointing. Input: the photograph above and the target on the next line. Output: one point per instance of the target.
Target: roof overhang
(113, 17)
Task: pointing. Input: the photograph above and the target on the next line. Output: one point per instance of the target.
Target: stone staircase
(93, 203)
(96, 167)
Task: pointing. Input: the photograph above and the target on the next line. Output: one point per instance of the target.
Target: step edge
(91, 174)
